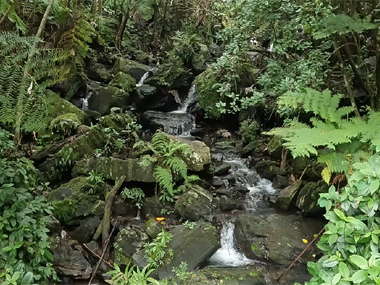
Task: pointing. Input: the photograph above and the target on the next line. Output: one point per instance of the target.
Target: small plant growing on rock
(132, 276)
(181, 272)
(155, 252)
(248, 130)
(137, 195)
(65, 125)
(189, 225)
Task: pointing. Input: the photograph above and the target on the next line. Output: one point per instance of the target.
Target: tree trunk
(347, 81)
(122, 26)
(106, 223)
(44, 19)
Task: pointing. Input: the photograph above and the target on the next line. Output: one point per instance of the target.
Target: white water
(228, 255)
(191, 98)
(258, 187)
(142, 79)
(85, 101)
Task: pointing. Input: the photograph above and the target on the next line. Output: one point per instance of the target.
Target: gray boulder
(276, 238)
(86, 229)
(133, 68)
(287, 196)
(194, 204)
(128, 242)
(113, 168)
(68, 259)
(193, 246)
(308, 197)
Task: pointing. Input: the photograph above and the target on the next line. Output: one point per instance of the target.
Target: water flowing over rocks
(193, 246)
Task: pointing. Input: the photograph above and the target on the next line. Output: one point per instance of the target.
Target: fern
(164, 179)
(25, 72)
(337, 139)
(12, 15)
(177, 165)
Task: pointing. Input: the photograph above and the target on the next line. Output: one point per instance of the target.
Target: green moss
(123, 81)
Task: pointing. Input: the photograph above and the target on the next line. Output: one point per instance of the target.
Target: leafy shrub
(24, 243)
(65, 125)
(137, 195)
(132, 276)
(155, 252)
(351, 241)
(248, 130)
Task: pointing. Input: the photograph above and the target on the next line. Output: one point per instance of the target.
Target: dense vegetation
(319, 77)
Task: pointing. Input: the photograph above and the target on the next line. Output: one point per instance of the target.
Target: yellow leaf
(305, 240)
(159, 219)
(315, 235)
(326, 174)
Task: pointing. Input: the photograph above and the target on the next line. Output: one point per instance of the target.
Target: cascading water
(85, 101)
(228, 255)
(190, 99)
(142, 79)
(258, 187)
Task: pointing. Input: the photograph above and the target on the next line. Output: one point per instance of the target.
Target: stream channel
(228, 258)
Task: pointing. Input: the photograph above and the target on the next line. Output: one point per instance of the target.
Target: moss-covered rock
(193, 246)
(308, 197)
(106, 97)
(58, 106)
(200, 154)
(113, 168)
(73, 150)
(76, 199)
(153, 228)
(133, 68)
(128, 242)
(275, 237)
(275, 147)
(123, 81)
(194, 203)
(287, 196)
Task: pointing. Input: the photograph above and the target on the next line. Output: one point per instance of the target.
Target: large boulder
(276, 238)
(193, 246)
(133, 68)
(68, 259)
(200, 153)
(194, 204)
(76, 199)
(128, 242)
(86, 229)
(287, 196)
(113, 168)
(308, 197)
(103, 98)
(123, 81)
(98, 71)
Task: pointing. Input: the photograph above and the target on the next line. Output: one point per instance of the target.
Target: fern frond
(177, 165)
(164, 179)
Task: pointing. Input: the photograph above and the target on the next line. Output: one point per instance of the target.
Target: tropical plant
(248, 130)
(338, 139)
(350, 243)
(169, 156)
(24, 243)
(155, 251)
(137, 195)
(132, 276)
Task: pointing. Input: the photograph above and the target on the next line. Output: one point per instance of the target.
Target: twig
(6, 14)
(102, 256)
(98, 256)
(302, 253)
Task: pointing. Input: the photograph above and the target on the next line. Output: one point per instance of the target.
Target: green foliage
(132, 276)
(12, 14)
(156, 253)
(24, 243)
(65, 125)
(221, 87)
(181, 272)
(25, 72)
(337, 138)
(137, 195)
(169, 156)
(189, 225)
(186, 45)
(248, 130)
(350, 243)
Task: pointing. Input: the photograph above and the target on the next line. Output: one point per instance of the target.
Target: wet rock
(276, 238)
(233, 276)
(250, 148)
(76, 199)
(128, 242)
(123, 81)
(217, 181)
(98, 72)
(268, 169)
(152, 207)
(228, 204)
(133, 68)
(194, 203)
(225, 191)
(153, 228)
(308, 197)
(112, 168)
(86, 229)
(173, 123)
(287, 196)
(280, 182)
(68, 259)
(275, 147)
(193, 246)
(103, 98)
(200, 58)
(123, 207)
(200, 154)
(222, 169)
(59, 106)
(240, 189)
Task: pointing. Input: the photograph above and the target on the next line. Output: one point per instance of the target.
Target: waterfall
(191, 98)
(85, 101)
(142, 79)
(228, 255)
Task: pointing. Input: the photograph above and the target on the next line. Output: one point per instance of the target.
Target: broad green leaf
(336, 279)
(339, 213)
(359, 261)
(374, 186)
(343, 269)
(359, 276)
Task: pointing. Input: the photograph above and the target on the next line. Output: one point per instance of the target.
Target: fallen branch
(102, 256)
(98, 256)
(301, 254)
